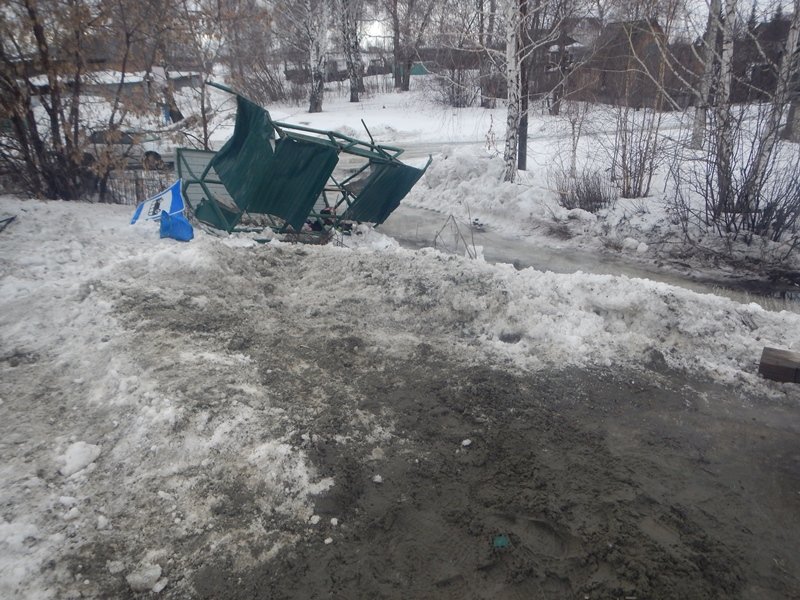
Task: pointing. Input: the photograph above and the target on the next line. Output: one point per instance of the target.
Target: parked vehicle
(148, 150)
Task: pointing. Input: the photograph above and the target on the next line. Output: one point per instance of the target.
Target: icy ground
(140, 379)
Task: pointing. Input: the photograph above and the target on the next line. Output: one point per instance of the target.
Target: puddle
(418, 228)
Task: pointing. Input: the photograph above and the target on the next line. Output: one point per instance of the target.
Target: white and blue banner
(169, 201)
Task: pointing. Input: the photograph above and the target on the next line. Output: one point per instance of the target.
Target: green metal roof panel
(240, 163)
(203, 190)
(284, 170)
(313, 139)
(293, 179)
(280, 177)
(216, 215)
(385, 187)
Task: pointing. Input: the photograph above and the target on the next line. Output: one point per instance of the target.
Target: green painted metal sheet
(382, 192)
(203, 190)
(294, 177)
(285, 171)
(282, 177)
(240, 163)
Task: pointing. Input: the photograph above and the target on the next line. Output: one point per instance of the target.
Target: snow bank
(94, 377)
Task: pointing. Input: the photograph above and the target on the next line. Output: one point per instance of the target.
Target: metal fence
(134, 186)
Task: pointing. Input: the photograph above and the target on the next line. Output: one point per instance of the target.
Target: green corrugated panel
(385, 187)
(215, 214)
(294, 178)
(240, 163)
(284, 181)
(203, 191)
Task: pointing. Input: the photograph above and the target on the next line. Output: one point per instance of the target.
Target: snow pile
(144, 578)
(469, 185)
(542, 319)
(77, 457)
(139, 375)
(90, 427)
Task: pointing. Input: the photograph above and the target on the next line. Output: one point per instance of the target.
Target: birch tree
(723, 108)
(409, 20)
(304, 26)
(349, 13)
(513, 19)
(530, 28)
(316, 31)
(747, 178)
(770, 132)
(487, 11)
(708, 59)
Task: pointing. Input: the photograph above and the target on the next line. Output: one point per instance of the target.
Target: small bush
(590, 191)
(560, 231)
(458, 88)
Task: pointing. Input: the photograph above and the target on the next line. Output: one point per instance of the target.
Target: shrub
(590, 191)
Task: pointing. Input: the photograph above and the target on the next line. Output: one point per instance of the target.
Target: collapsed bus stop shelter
(287, 174)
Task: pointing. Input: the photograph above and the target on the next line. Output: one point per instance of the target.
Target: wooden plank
(780, 365)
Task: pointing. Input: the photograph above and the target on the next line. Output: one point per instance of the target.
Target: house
(627, 66)
(567, 47)
(756, 56)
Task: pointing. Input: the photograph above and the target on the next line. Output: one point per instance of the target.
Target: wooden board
(780, 365)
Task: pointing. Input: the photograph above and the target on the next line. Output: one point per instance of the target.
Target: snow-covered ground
(94, 392)
(140, 378)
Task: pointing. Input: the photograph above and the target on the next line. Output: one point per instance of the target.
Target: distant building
(624, 67)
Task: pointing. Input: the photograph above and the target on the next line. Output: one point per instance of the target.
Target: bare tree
(348, 15)
(746, 178)
(43, 148)
(45, 50)
(253, 53)
(409, 20)
(205, 28)
(454, 35)
(304, 26)
(709, 54)
(486, 40)
(531, 26)
(513, 20)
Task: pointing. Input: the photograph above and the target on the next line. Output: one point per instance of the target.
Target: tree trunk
(359, 66)
(397, 51)
(724, 133)
(513, 84)
(792, 130)
(704, 88)
(771, 131)
(317, 32)
(487, 69)
(559, 89)
(317, 88)
(524, 72)
(407, 65)
(352, 53)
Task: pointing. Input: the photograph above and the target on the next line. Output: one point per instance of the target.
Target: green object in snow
(501, 542)
(287, 173)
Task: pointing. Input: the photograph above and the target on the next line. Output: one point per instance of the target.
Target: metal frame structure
(282, 176)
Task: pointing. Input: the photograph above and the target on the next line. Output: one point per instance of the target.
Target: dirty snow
(91, 435)
(119, 438)
(77, 457)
